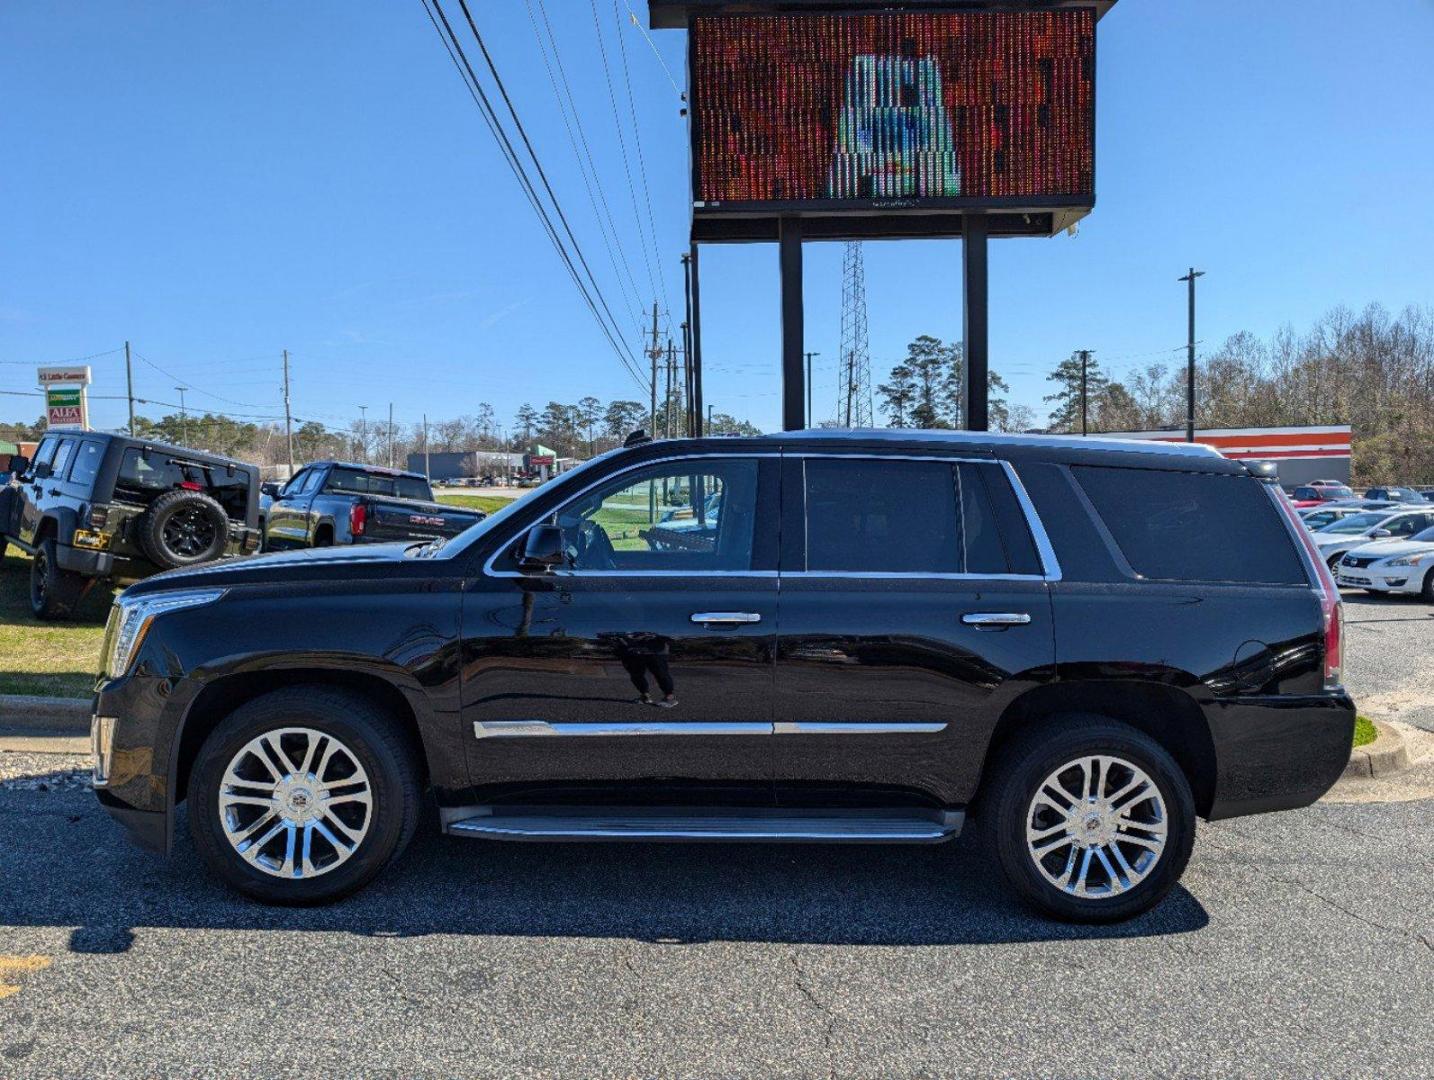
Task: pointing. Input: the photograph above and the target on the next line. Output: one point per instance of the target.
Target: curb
(56, 715)
(1385, 756)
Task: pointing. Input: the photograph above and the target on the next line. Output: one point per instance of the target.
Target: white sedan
(1391, 566)
(1359, 529)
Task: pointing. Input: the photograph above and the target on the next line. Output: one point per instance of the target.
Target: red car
(1319, 491)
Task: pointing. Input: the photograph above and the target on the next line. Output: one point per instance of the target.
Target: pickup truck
(337, 502)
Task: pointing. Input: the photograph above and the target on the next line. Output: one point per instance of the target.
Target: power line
(434, 10)
(592, 180)
(622, 145)
(653, 45)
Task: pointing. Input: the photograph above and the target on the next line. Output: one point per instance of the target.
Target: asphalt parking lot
(1299, 944)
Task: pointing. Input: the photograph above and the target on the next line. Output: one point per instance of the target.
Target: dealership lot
(1300, 943)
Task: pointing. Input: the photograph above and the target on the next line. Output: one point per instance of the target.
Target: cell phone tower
(854, 388)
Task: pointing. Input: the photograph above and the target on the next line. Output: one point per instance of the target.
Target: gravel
(1389, 659)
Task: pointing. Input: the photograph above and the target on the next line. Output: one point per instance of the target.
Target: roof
(945, 437)
(382, 470)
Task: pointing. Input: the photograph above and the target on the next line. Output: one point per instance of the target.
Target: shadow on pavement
(63, 862)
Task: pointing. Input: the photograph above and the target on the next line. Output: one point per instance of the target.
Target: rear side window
(87, 462)
(1175, 526)
(62, 458)
(882, 516)
(914, 517)
(354, 482)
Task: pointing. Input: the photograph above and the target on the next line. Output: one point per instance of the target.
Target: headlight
(130, 620)
(1403, 560)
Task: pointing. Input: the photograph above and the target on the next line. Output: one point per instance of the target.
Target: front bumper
(1278, 752)
(1399, 579)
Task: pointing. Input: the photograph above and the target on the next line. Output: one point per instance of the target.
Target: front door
(914, 609)
(640, 672)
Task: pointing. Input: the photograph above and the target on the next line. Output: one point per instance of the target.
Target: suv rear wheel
(1093, 821)
(54, 593)
(303, 795)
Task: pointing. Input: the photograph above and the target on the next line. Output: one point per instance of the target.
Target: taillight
(190, 485)
(99, 516)
(1331, 606)
(358, 518)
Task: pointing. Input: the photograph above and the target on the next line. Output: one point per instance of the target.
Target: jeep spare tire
(182, 528)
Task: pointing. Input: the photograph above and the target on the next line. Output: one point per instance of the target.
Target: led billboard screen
(893, 110)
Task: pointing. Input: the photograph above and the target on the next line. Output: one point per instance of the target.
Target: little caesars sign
(66, 403)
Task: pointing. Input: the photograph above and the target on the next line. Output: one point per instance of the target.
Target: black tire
(1427, 593)
(183, 528)
(324, 536)
(376, 743)
(54, 593)
(1009, 797)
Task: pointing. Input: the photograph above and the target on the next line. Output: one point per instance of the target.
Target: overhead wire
(456, 53)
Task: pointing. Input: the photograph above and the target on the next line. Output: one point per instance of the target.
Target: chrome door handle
(725, 618)
(995, 620)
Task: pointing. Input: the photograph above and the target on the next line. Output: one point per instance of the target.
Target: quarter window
(680, 516)
(1178, 526)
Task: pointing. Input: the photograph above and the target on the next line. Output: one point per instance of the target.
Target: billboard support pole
(976, 319)
(789, 255)
(695, 329)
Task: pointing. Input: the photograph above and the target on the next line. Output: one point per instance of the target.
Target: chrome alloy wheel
(1096, 827)
(295, 802)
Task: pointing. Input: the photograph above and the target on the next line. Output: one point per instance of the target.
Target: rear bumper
(82, 561)
(1279, 752)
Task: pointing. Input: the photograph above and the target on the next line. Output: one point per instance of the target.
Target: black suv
(93, 506)
(809, 637)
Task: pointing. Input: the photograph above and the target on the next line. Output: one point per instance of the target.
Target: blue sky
(219, 181)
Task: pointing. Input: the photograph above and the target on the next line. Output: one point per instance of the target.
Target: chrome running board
(698, 824)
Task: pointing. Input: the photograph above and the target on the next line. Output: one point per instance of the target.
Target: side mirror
(270, 489)
(1380, 534)
(544, 550)
(42, 471)
(18, 464)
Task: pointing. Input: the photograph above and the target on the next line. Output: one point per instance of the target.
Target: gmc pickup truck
(334, 502)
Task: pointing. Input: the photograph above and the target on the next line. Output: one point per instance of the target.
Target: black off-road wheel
(1092, 820)
(182, 528)
(54, 593)
(304, 795)
(1427, 592)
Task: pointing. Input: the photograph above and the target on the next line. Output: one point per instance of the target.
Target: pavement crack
(800, 981)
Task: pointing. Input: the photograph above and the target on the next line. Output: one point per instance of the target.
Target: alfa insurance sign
(65, 407)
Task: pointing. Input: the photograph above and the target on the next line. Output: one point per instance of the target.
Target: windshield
(1357, 523)
(1425, 537)
(471, 535)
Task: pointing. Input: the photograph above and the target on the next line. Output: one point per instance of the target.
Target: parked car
(1081, 644)
(1318, 517)
(1357, 529)
(1395, 494)
(1321, 491)
(92, 506)
(1427, 494)
(1391, 566)
(335, 502)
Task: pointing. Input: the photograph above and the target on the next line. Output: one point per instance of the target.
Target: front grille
(1359, 562)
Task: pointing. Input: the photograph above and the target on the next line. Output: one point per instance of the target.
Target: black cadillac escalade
(861, 637)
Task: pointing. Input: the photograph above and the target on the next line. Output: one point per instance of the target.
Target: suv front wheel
(1093, 821)
(303, 795)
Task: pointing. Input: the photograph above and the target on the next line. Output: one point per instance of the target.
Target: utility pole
(1084, 390)
(363, 432)
(129, 387)
(427, 470)
(654, 353)
(1190, 358)
(709, 419)
(288, 419)
(810, 420)
(390, 434)
(183, 417)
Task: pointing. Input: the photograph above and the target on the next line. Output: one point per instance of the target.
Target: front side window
(45, 452)
(1407, 524)
(697, 515)
(296, 483)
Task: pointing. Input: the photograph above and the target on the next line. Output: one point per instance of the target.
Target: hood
(1389, 549)
(326, 563)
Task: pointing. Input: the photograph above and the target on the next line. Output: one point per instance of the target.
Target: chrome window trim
(1044, 549)
(910, 575)
(489, 571)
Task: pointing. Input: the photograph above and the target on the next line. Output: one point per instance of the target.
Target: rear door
(914, 608)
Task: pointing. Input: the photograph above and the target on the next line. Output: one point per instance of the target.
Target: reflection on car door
(913, 609)
(642, 672)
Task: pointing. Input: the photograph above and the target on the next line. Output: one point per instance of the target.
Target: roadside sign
(65, 407)
(67, 374)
